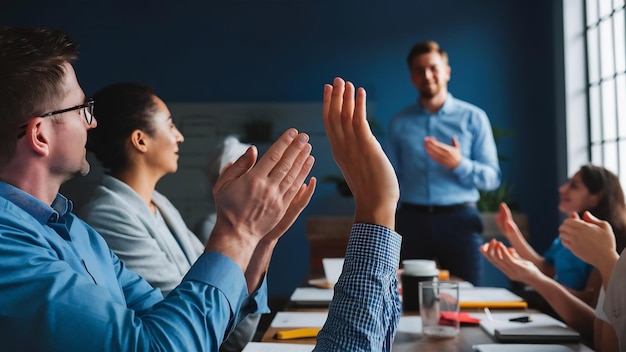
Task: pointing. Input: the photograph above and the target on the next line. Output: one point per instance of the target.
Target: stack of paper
(490, 297)
(312, 296)
(299, 319)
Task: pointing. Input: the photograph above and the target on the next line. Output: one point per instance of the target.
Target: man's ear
(38, 136)
(139, 141)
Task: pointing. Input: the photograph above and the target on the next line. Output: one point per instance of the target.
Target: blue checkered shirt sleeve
(365, 310)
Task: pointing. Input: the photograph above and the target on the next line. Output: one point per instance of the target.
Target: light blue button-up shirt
(62, 289)
(424, 181)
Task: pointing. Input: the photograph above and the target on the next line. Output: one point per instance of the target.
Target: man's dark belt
(437, 208)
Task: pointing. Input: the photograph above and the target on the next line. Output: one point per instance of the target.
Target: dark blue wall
(501, 53)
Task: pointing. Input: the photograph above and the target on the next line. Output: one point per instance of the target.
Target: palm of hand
(522, 269)
(507, 226)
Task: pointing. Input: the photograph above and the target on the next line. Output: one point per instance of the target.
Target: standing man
(443, 152)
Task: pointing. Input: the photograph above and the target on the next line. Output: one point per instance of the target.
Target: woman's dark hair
(611, 207)
(120, 109)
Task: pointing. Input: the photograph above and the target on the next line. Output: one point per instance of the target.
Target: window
(606, 83)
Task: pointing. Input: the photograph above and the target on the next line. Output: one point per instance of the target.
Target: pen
(524, 319)
(488, 313)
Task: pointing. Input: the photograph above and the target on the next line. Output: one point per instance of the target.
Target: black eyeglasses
(87, 113)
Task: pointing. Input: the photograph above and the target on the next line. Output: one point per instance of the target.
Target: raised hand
(506, 224)
(262, 255)
(507, 260)
(252, 199)
(447, 155)
(358, 154)
(589, 238)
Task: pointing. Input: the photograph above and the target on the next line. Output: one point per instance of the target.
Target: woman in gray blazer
(137, 143)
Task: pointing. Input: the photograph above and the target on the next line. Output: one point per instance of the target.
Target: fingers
(287, 162)
(360, 112)
(276, 151)
(304, 163)
(490, 251)
(573, 215)
(588, 217)
(504, 208)
(299, 202)
(294, 166)
(333, 102)
(238, 168)
(505, 259)
(347, 109)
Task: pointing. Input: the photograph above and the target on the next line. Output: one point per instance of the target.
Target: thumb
(455, 142)
(588, 217)
(239, 167)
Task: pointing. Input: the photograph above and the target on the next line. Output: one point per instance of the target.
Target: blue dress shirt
(63, 289)
(365, 310)
(424, 181)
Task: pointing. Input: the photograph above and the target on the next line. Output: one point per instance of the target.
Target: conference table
(405, 342)
(468, 336)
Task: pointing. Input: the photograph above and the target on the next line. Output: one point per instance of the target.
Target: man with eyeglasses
(62, 289)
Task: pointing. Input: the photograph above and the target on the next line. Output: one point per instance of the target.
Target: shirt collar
(447, 108)
(38, 209)
(448, 105)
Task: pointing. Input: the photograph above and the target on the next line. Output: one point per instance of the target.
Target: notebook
(491, 297)
(494, 347)
(312, 296)
(277, 347)
(541, 329)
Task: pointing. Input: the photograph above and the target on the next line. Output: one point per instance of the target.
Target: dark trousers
(451, 237)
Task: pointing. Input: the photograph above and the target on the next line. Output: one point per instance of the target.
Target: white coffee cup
(420, 267)
(332, 269)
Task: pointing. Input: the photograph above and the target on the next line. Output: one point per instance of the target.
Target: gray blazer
(131, 230)
(161, 257)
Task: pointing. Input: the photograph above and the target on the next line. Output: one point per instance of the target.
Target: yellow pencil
(297, 333)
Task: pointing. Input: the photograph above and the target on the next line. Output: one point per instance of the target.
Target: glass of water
(439, 308)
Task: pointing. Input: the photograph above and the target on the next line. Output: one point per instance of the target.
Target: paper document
(312, 296)
(487, 294)
(299, 319)
(410, 324)
(277, 347)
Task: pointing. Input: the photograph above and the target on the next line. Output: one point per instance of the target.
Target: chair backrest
(328, 238)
